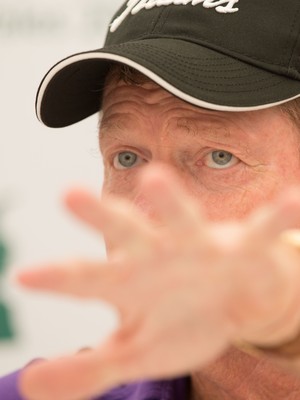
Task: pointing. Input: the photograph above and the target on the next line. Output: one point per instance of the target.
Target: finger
(72, 378)
(121, 360)
(82, 279)
(83, 375)
(172, 204)
(122, 224)
(269, 222)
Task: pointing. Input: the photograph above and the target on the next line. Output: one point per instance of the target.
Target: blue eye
(221, 159)
(124, 160)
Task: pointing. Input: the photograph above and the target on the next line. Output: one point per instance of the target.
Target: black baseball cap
(227, 55)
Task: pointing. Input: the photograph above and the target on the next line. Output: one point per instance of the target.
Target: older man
(200, 137)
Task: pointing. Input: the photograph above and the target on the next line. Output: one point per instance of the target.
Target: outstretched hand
(185, 288)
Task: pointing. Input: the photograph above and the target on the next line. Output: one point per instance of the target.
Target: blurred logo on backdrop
(6, 326)
(34, 18)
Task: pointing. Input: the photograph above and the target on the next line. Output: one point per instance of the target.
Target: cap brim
(72, 89)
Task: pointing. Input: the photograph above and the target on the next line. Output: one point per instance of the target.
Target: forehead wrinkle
(128, 110)
(148, 94)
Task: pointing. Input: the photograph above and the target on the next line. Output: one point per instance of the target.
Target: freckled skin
(152, 123)
(158, 127)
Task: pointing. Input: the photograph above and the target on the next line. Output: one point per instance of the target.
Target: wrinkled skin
(193, 205)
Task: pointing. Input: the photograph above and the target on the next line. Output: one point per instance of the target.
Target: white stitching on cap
(135, 6)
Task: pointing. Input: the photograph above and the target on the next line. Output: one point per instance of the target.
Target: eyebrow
(115, 121)
(115, 125)
(115, 128)
(206, 126)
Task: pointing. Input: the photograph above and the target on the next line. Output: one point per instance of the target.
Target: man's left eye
(220, 159)
(126, 159)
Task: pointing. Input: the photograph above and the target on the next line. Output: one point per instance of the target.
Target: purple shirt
(175, 389)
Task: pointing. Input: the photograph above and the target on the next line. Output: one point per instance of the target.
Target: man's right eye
(126, 159)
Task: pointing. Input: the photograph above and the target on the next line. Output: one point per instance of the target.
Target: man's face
(231, 162)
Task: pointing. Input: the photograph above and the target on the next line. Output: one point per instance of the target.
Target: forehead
(129, 106)
(119, 89)
(126, 104)
(144, 98)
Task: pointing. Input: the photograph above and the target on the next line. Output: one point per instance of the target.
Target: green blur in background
(6, 329)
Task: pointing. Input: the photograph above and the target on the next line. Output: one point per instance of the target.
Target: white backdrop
(37, 165)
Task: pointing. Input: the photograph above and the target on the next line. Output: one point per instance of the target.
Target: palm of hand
(184, 291)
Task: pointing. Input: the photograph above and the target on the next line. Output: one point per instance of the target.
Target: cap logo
(135, 6)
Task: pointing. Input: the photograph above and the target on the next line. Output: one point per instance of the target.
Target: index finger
(123, 225)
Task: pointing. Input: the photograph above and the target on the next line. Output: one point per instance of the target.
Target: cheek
(243, 201)
(235, 207)
(118, 184)
(226, 206)
(236, 200)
